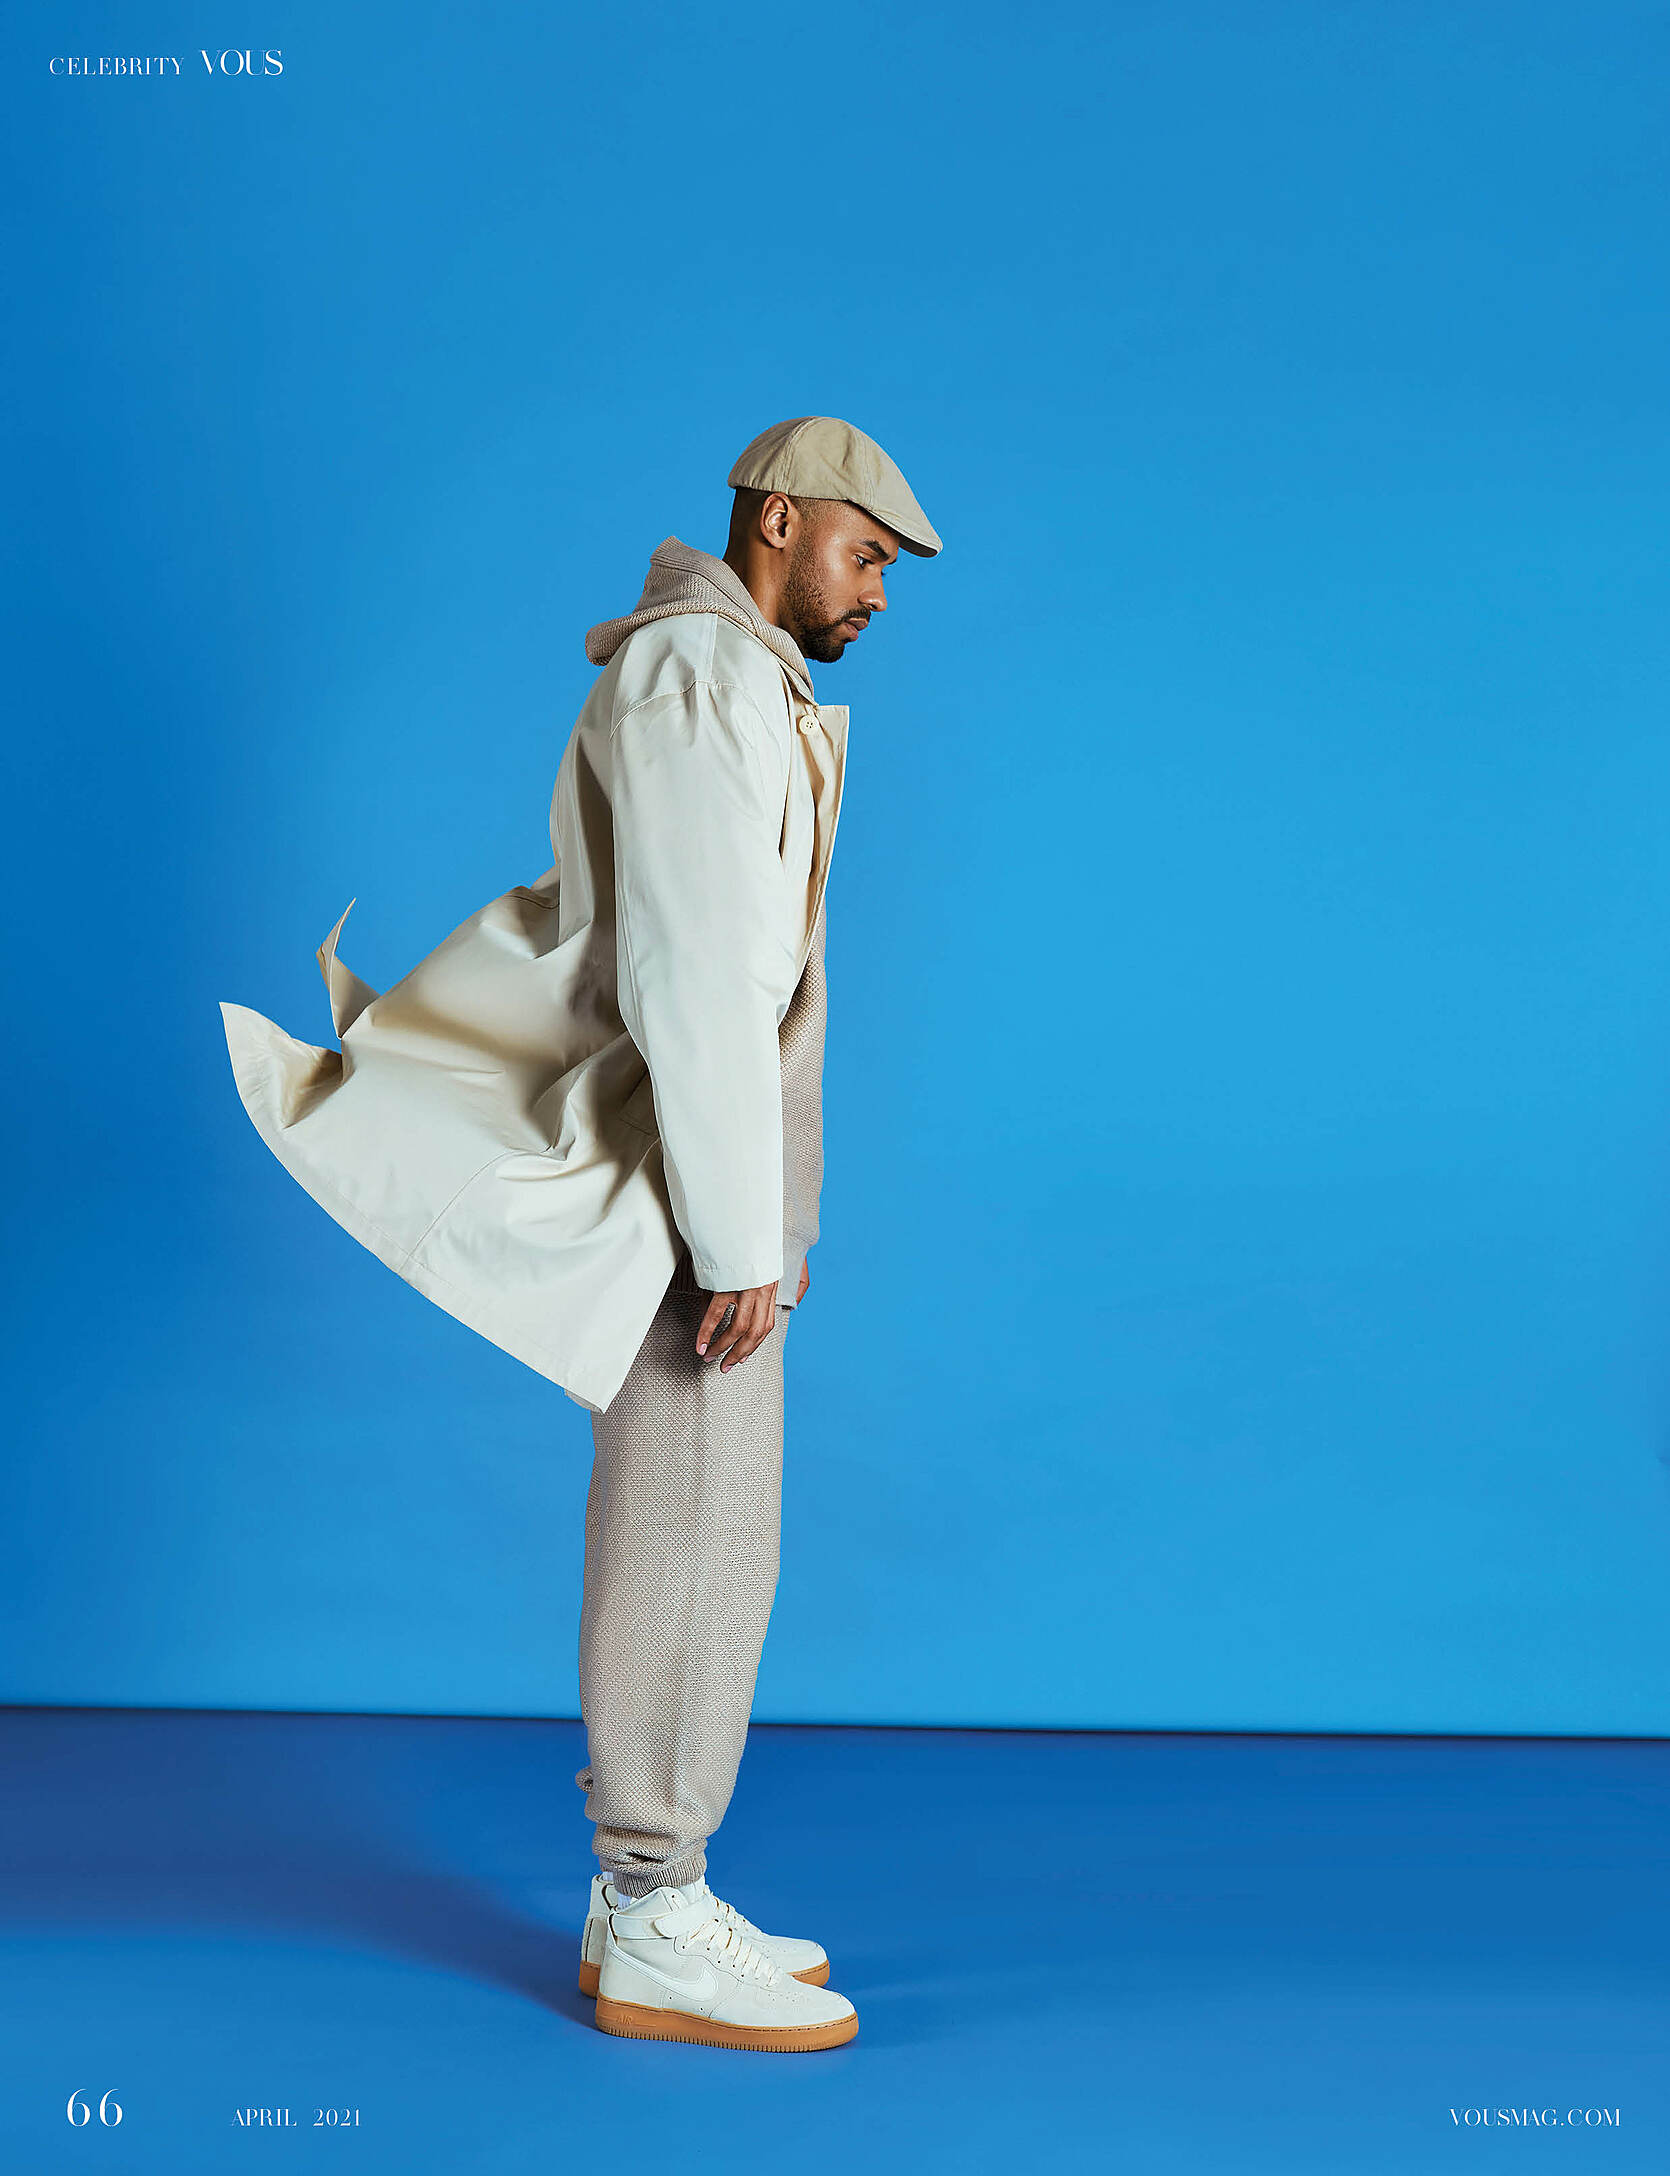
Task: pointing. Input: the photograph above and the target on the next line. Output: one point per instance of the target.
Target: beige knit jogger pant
(682, 1526)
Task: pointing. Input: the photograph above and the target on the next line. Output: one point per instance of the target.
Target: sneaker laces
(729, 1913)
(729, 1946)
(701, 1927)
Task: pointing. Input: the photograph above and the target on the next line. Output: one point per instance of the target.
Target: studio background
(1245, 1280)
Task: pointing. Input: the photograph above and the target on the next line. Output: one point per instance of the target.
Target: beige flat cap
(820, 457)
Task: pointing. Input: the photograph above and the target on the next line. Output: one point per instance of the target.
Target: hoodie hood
(683, 579)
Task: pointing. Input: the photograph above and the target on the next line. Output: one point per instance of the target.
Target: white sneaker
(674, 1969)
(802, 1960)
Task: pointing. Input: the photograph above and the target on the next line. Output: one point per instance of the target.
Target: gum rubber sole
(637, 2021)
(815, 1975)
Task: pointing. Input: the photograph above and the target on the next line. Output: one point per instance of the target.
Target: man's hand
(752, 1323)
(805, 1281)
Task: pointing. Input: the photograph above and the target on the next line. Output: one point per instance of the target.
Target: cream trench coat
(588, 1067)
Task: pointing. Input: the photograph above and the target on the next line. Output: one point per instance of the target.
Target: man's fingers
(725, 1340)
(738, 1341)
(731, 1345)
(756, 1317)
(752, 1316)
(714, 1316)
(720, 1336)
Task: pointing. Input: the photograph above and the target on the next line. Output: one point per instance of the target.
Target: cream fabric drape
(588, 1066)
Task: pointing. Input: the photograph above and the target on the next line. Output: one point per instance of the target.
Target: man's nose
(874, 599)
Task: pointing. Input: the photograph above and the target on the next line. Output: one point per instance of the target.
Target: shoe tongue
(657, 1900)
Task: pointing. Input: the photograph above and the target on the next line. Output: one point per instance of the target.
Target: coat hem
(495, 1324)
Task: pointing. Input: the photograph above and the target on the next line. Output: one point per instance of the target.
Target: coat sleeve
(705, 968)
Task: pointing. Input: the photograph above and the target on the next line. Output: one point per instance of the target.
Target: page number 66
(110, 2111)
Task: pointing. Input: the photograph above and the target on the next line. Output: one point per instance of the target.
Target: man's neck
(764, 592)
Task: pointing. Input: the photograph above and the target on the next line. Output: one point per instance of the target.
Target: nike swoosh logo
(702, 1988)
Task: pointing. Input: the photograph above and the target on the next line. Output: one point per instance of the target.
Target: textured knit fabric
(683, 579)
(682, 1525)
(801, 1038)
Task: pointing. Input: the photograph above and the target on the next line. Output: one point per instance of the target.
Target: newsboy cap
(820, 457)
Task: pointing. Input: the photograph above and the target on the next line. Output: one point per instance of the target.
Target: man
(589, 1126)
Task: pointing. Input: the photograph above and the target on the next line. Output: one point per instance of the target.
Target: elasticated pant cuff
(640, 1880)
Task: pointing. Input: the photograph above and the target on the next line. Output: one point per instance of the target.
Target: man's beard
(804, 604)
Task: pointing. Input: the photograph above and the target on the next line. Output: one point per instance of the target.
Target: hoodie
(683, 579)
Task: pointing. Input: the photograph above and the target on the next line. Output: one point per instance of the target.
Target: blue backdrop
(1246, 1272)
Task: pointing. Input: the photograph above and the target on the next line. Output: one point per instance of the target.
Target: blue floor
(1145, 1952)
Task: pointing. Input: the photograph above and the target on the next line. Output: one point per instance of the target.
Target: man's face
(834, 580)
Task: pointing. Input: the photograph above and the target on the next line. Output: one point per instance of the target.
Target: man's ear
(776, 519)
